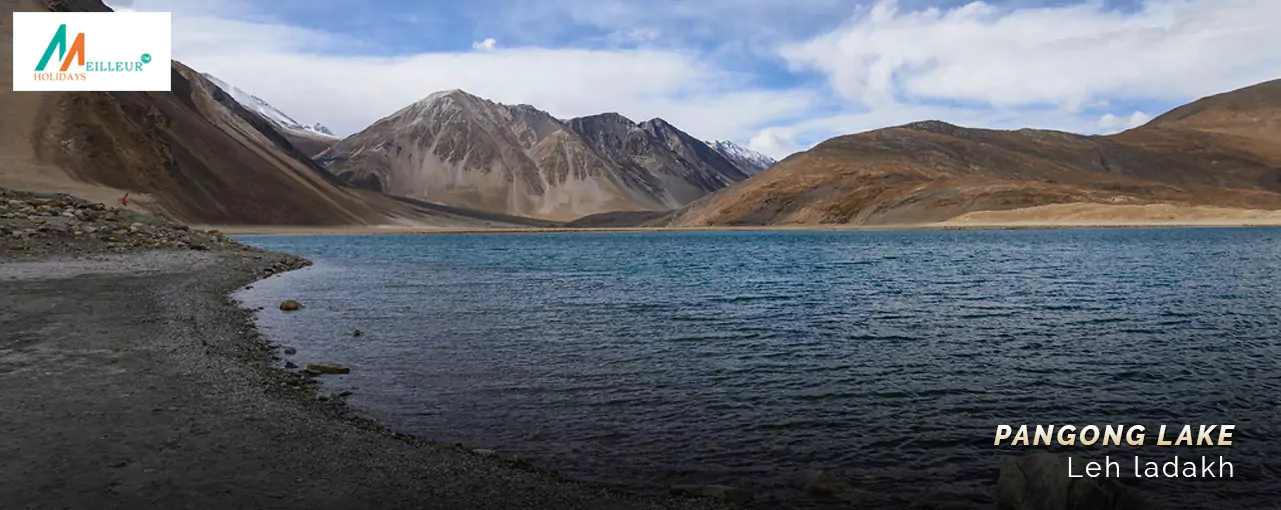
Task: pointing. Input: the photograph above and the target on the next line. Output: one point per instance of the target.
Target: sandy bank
(1075, 215)
(132, 381)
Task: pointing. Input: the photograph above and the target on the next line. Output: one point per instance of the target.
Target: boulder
(1040, 482)
(327, 368)
(290, 305)
(717, 492)
(823, 483)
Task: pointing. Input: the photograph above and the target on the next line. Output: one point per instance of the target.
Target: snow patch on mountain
(263, 108)
(745, 159)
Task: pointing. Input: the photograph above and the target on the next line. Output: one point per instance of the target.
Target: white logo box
(123, 51)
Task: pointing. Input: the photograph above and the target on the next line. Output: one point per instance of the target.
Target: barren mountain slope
(1251, 112)
(932, 171)
(193, 153)
(310, 140)
(460, 150)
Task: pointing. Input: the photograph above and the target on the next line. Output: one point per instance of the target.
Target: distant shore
(1054, 216)
(1039, 225)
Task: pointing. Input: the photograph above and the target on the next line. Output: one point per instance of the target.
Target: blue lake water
(748, 358)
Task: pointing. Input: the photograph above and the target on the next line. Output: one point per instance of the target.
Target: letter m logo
(59, 44)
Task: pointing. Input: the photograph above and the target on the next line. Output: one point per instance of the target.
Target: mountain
(1220, 152)
(747, 160)
(311, 140)
(194, 154)
(1253, 112)
(460, 150)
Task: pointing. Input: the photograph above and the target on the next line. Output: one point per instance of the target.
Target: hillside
(310, 140)
(1219, 152)
(193, 154)
(460, 150)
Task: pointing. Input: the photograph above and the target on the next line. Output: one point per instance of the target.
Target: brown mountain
(193, 154)
(1218, 152)
(460, 150)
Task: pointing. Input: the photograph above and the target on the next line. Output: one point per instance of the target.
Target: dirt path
(131, 381)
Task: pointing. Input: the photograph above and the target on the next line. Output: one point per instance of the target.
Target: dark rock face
(326, 368)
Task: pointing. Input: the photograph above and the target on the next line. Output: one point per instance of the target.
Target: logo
(59, 43)
(91, 51)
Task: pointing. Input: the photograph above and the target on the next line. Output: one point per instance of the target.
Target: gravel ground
(131, 380)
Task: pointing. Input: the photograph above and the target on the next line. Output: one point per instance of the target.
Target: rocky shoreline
(131, 378)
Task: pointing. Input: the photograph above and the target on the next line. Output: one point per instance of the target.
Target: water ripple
(748, 358)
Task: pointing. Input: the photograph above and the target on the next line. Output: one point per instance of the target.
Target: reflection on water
(749, 358)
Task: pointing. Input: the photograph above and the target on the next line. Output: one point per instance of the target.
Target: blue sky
(776, 75)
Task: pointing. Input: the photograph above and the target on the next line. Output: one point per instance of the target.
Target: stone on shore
(290, 305)
(1040, 482)
(42, 224)
(717, 492)
(824, 483)
(327, 368)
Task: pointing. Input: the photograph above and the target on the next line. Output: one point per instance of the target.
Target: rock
(822, 482)
(1040, 482)
(290, 351)
(291, 365)
(357, 333)
(290, 305)
(344, 394)
(718, 492)
(327, 368)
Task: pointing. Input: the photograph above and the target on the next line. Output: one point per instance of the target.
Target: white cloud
(307, 74)
(777, 142)
(1068, 57)
(1110, 123)
(1072, 67)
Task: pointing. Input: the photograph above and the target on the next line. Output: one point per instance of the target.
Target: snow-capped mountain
(745, 159)
(311, 140)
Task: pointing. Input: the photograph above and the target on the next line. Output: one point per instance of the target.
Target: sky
(777, 76)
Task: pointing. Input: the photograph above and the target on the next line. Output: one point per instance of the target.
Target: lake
(649, 359)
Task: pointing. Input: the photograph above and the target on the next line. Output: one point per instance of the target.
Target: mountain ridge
(933, 171)
(749, 160)
(458, 149)
(193, 154)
